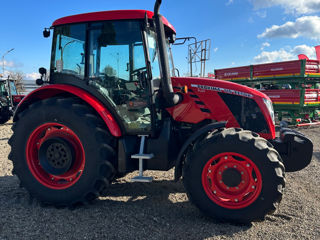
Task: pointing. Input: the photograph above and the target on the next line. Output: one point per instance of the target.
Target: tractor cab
(116, 59)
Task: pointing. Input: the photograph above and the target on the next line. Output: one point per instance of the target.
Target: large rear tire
(234, 175)
(62, 152)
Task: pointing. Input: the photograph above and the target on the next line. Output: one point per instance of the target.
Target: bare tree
(17, 77)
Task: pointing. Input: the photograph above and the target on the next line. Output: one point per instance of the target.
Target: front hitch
(295, 149)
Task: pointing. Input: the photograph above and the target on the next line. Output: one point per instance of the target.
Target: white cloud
(274, 56)
(215, 49)
(7, 64)
(285, 55)
(262, 14)
(32, 76)
(229, 2)
(290, 6)
(304, 49)
(308, 26)
(265, 45)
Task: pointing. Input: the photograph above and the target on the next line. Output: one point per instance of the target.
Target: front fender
(58, 89)
(194, 137)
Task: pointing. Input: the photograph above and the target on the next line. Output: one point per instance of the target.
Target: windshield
(68, 50)
(13, 88)
(2, 88)
(154, 55)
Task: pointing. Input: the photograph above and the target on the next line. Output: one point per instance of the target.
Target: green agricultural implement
(293, 87)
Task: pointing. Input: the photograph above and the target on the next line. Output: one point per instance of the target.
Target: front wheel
(234, 175)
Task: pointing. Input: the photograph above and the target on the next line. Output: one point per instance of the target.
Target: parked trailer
(293, 87)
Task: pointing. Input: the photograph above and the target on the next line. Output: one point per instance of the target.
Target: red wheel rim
(231, 180)
(37, 138)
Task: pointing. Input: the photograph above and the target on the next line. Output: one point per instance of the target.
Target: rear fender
(58, 89)
(192, 139)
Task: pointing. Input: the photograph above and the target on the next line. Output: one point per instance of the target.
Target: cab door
(116, 66)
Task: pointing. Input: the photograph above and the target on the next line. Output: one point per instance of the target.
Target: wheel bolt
(209, 171)
(248, 165)
(214, 191)
(242, 181)
(52, 178)
(220, 181)
(237, 187)
(241, 173)
(253, 187)
(236, 200)
(225, 157)
(225, 166)
(227, 187)
(70, 179)
(235, 166)
(220, 173)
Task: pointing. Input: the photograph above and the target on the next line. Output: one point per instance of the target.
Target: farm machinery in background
(111, 107)
(9, 99)
(293, 87)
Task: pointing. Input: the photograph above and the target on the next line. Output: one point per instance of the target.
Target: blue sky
(242, 31)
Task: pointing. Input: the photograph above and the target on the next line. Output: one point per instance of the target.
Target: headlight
(269, 106)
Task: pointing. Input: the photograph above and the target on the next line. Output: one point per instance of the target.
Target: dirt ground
(158, 210)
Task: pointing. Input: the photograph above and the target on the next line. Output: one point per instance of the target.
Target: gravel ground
(158, 210)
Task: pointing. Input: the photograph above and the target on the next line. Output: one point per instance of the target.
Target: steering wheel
(134, 72)
(137, 72)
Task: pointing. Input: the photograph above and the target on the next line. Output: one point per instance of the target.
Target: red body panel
(203, 94)
(273, 69)
(233, 73)
(312, 96)
(283, 96)
(292, 96)
(109, 15)
(289, 68)
(17, 99)
(55, 89)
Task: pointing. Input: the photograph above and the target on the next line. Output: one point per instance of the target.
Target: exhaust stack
(171, 98)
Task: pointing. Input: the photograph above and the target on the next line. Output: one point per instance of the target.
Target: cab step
(141, 156)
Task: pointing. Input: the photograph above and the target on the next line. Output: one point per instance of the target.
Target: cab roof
(109, 15)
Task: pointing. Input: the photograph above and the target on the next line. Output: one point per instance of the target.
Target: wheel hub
(231, 177)
(56, 156)
(231, 180)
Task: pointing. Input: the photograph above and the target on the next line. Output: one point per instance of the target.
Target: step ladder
(142, 156)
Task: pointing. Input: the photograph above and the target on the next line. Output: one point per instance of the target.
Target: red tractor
(113, 106)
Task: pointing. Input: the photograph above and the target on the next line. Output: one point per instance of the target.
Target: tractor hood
(216, 85)
(218, 100)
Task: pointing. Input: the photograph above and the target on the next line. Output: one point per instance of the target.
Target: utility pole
(3, 59)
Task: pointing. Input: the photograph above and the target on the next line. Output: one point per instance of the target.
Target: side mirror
(46, 32)
(39, 82)
(42, 71)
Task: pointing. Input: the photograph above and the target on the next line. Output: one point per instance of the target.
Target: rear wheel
(234, 175)
(61, 152)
